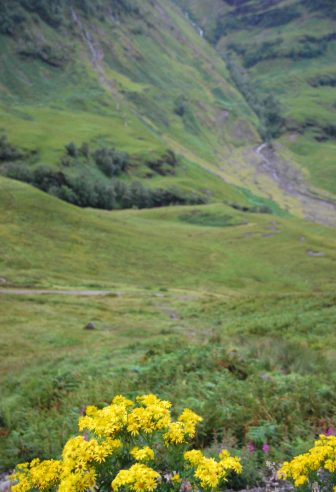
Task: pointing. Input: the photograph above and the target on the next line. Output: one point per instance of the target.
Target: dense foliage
(97, 179)
(266, 107)
(14, 14)
(247, 16)
(305, 47)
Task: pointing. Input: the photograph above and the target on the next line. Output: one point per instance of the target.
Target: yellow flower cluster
(321, 456)
(210, 472)
(185, 427)
(142, 454)
(126, 424)
(108, 421)
(79, 457)
(38, 475)
(74, 473)
(138, 478)
(152, 415)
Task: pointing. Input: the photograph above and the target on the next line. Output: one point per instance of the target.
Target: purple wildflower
(266, 448)
(250, 447)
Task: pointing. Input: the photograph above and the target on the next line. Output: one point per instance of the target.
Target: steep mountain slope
(282, 55)
(137, 78)
(140, 77)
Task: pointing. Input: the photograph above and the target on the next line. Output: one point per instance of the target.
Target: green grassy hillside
(144, 80)
(141, 80)
(209, 247)
(283, 49)
(221, 283)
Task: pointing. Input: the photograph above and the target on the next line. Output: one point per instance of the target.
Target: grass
(42, 235)
(239, 280)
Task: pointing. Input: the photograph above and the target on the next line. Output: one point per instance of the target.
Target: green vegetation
(110, 114)
(88, 179)
(195, 323)
(266, 107)
(280, 50)
(108, 89)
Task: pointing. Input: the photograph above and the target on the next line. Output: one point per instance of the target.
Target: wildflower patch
(130, 446)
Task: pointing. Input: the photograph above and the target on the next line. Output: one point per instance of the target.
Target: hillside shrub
(165, 165)
(9, 152)
(86, 190)
(19, 171)
(111, 162)
(12, 16)
(132, 446)
(77, 181)
(327, 7)
(71, 149)
(323, 80)
(180, 106)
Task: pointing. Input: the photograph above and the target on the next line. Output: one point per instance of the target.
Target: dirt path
(42, 292)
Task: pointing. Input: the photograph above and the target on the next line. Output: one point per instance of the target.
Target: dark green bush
(83, 186)
(323, 80)
(12, 16)
(327, 7)
(111, 162)
(71, 149)
(19, 171)
(9, 152)
(164, 166)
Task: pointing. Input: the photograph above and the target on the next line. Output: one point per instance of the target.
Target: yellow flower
(121, 400)
(24, 484)
(189, 419)
(175, 434)
(153, 415)
(78, 482)
(149, 400)
(210, 472)
(229, 462)
(77, 470)
(176, 478)
(139, 478)
(38, 475)
(108, 421)
(321, 456)
(194, 456)
(143, 454)
(91, 410)
(45, 474)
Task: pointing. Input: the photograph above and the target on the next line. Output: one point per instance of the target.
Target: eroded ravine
(290, 180)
